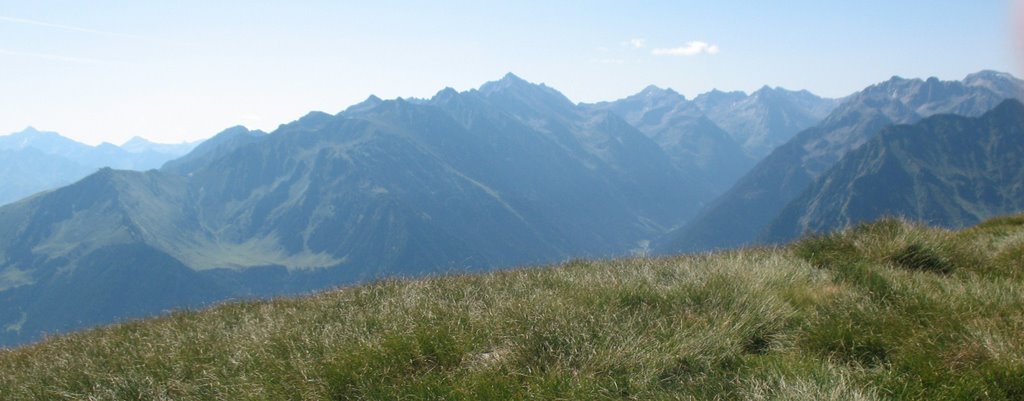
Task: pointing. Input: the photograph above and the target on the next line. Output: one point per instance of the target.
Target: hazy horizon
(182, 72)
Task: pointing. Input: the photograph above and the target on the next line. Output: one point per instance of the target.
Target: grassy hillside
(883, 311)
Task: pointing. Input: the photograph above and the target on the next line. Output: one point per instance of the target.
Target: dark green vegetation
(887, 310)
(945, 170)
(740, 215)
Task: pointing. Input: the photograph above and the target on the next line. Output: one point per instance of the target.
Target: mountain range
(32, 161)
(946, 170)
(720, 135)
(512, 173)
(739, 216)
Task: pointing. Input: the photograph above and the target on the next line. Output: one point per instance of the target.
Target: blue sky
(183, 70)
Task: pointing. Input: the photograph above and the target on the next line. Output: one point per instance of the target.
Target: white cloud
(638, 43)
(689, 49)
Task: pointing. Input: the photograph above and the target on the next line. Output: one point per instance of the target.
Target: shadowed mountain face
(738, 216)
(719, 136)
(32, 161)
(945, 170)
(510, 174)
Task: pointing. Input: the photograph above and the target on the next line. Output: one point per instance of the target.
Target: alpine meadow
(324, 200)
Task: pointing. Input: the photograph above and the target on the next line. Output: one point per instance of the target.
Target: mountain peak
(717, 98)
(370, 102)
(366, 105)
(1001, 83)
(782, 91)
(719, 92)
(989, 75)
(894, 86)
(30, 130)
(445, 94)
(654, 90)
(510, 77)
(766, 91)
(509, 81)
(896, 81)
(519, 94)
(227, 135)
(315, 114)
(47, 141)
(238, 129)
(314, 118)
(136, 141)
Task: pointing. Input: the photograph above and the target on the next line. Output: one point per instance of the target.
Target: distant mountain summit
(32, 161)
(766, 118)
(1000, 83)
(945, 170)
(523, 99)
(44, 141)
(738, 216)
(141, 145)
(719, 136)
(717, 99)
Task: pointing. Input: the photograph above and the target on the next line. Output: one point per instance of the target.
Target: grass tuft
(919, 257)
(889, 310)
